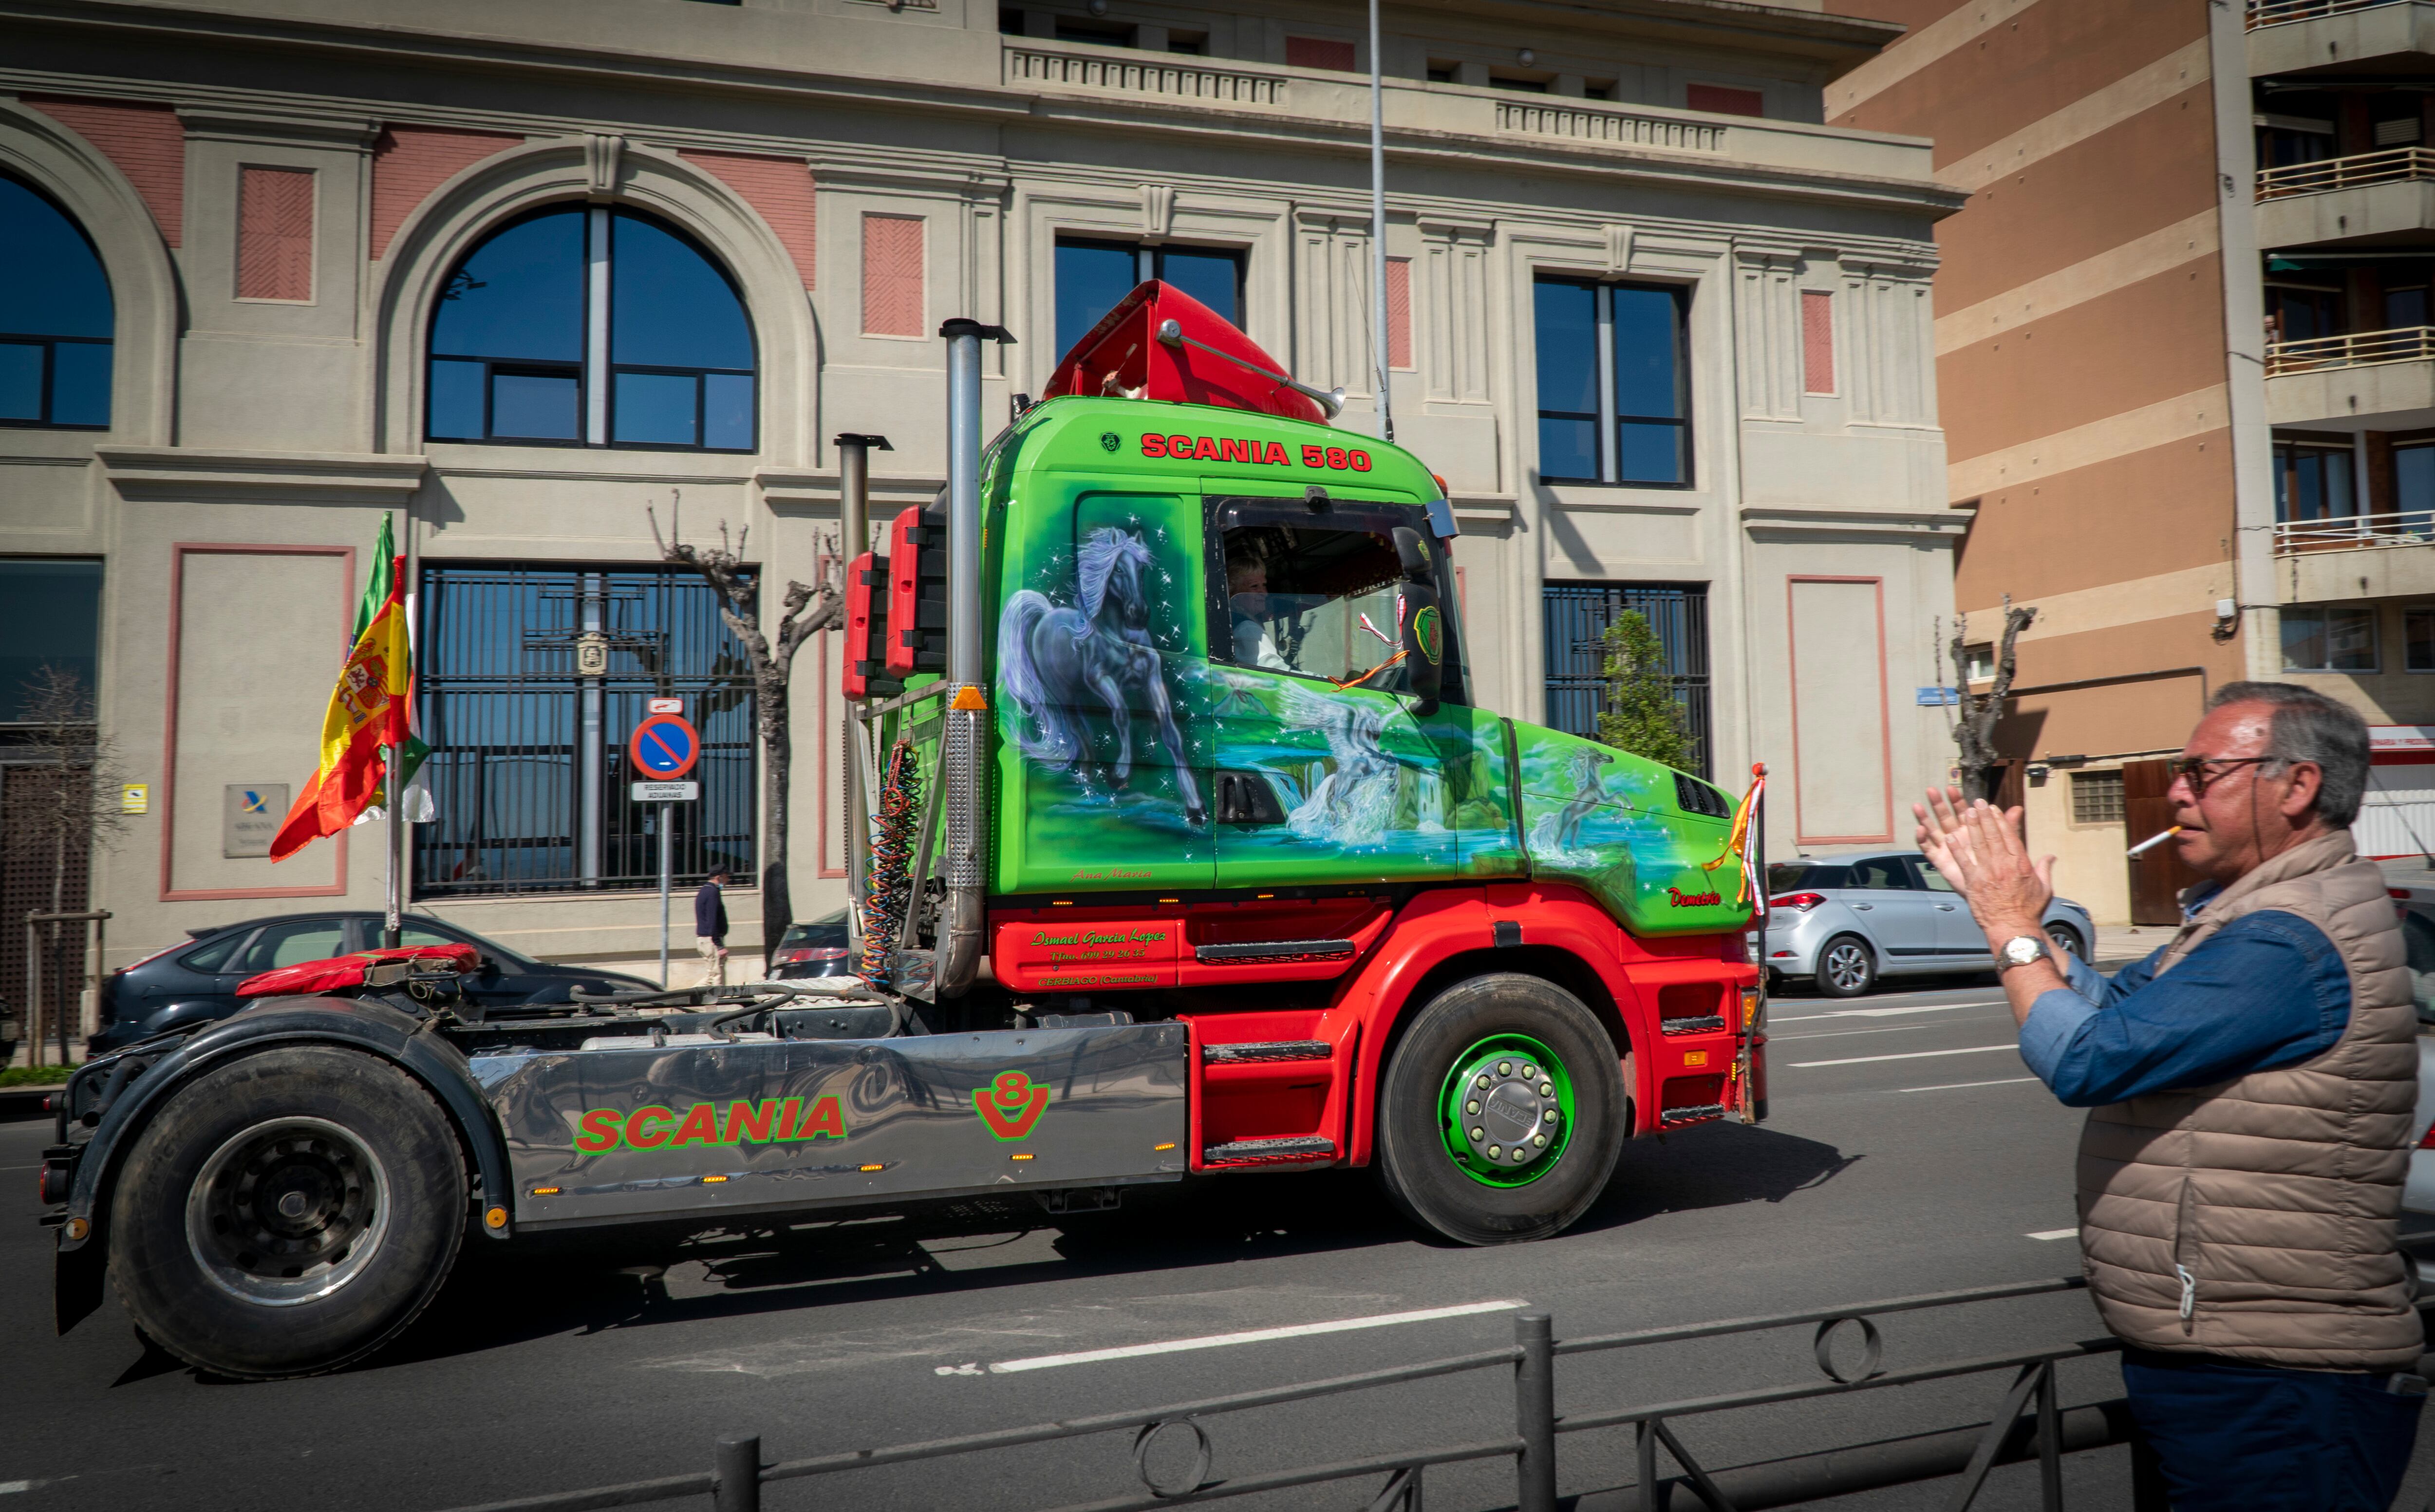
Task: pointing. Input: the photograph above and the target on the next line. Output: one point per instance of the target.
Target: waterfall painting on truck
(1644, 837)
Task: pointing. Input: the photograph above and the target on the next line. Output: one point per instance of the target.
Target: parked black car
(196, 981)
(815, 949)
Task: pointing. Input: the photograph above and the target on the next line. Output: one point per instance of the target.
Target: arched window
(55, 317)
(587, 326)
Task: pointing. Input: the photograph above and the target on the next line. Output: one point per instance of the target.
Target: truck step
(1296, 1148)
(1263, 951)
(1697, 1113)
(1695, 1024)
(1268, 1050)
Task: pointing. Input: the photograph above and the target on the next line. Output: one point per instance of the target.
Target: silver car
(1845, 921)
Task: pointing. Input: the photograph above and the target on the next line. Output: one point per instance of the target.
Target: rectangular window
(2329, 638)
(1719, 100)
(274, 235)
(1320, 52)
(1577, 615)
(892, 276)
(1980, 661)
(1613, 383)
(1103, 33)
(1817, 342)
(2300, 312)
(1399, 312)
(2413, 484)
(2313, 482)
(50, 618)
(1092, 275)
(2418, 640)
(529, 765)
(2097, 797)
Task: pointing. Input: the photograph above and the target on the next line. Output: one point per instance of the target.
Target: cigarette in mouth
(2153, 842)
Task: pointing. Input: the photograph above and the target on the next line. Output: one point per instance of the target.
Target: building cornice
(1787, 522)
(185, 472)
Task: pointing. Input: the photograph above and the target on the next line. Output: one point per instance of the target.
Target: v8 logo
(1010, 1105)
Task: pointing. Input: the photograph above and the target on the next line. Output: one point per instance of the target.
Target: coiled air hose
(891, 888)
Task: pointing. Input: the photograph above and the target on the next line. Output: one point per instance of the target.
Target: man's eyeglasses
(2202, 772)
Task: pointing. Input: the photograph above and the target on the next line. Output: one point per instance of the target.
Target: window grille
(1577, 617)
(2097, 797)
(525, 803)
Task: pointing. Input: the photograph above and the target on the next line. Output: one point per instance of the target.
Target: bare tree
(1974, 731)
(64, 806)
(806, 610)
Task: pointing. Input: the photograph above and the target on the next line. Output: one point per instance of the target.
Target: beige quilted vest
(2256, 1217)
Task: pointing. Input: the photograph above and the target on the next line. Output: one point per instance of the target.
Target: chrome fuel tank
(761, 1124)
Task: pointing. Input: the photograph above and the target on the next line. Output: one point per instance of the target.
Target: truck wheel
(1502, 1113)
(288, 1213)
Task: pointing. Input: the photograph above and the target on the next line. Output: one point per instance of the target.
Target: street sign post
(664, 747)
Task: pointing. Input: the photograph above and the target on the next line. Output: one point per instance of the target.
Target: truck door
(1103, 775)
(1325, 772)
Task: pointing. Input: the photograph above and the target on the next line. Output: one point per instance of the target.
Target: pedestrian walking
(710, 928)
(2250, 1087)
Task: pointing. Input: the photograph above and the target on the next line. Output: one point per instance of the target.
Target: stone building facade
(1666, 334)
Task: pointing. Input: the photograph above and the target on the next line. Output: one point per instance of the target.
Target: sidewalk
(2120, 944)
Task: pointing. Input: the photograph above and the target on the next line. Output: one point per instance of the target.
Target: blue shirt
(2268, 989)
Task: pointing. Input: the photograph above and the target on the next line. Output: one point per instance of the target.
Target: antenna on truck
(1171, 333)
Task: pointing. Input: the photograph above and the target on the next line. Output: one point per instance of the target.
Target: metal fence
(528, 770)
(2277, 12)
(2393, 165)
(2030, 1423)
(1577, 615)
(2414, 527)
(2359, 349)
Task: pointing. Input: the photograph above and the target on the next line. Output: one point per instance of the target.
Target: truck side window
(1319, 595)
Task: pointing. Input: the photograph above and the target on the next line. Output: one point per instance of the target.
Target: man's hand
(1980, 850)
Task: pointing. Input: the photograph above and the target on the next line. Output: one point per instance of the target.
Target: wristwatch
(2020, 950)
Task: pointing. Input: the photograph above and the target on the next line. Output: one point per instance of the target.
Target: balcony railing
(2391, 165)
(2360, 348)
(2275, 13)
(2415, 528)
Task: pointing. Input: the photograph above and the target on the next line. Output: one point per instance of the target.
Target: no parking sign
(664, 747)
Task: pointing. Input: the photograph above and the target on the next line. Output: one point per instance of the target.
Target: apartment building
(2187, 369)
(540, 280)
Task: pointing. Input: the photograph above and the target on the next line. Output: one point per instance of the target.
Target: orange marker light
(1161, 1147)
(1022, 1156)
(874, 1168)
(497, 1217)
(712, 1180)
(546, 1191)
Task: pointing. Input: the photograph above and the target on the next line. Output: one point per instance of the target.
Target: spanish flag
(368, 709)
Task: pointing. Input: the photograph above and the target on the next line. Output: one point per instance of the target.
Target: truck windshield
(1318, 594)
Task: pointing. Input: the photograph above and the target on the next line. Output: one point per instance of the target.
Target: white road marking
(1219, 1341)
(1950, 1086)
(1886, 1013)
(9, 1487)
(2054, 1233)
(1912, 1054)
(1838, 1034)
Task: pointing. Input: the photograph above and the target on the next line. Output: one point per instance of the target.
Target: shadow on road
(619, 1281)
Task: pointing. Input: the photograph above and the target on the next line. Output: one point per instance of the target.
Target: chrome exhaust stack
(854, 539)
(964, 865)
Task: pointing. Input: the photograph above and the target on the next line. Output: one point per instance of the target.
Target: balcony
(2335, 37)
(2375, 379)
(2359, 201)
(2347, 560)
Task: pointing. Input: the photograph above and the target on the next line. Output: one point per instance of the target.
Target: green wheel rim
(1506, 1110)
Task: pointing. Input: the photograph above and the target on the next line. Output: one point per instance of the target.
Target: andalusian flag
(368, 709)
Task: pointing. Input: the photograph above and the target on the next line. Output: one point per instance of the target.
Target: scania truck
(1184, 852)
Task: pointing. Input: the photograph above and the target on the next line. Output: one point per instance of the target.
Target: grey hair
(2309, 727)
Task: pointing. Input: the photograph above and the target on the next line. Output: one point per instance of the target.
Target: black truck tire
(288, 1213)
(1449, 1190)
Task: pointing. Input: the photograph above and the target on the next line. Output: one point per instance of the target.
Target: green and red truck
(1185, 852)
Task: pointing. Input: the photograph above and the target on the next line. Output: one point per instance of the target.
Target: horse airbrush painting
(1055, 662)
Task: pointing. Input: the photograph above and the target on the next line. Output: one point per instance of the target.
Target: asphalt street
(1908, 1151)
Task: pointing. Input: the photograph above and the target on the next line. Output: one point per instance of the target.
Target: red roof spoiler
(1160, 343)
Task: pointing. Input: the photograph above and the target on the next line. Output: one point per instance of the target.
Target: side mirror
(1424, 620)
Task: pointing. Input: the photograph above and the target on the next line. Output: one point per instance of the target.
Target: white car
(1845, 921)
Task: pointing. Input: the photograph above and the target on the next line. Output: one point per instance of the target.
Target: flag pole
(1379, 230)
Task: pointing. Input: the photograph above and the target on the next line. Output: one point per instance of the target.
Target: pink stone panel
(1816, 342)
(892, 276)
(1318, 52)
(1399, 312)
(409, 162)
(779, 188)
(274, 233)
(144, 140)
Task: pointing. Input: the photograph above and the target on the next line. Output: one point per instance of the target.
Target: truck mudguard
(370, 1026)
